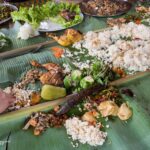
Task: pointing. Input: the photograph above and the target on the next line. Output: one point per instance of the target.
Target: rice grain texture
(84, 133)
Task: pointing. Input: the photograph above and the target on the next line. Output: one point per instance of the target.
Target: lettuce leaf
(21, 15)
(72, 8)
(35, 14)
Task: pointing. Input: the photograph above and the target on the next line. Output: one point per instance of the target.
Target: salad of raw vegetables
(66, 14)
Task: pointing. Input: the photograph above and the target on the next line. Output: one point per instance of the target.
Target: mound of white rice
(26, 31)
(84, 133)
(127, 46)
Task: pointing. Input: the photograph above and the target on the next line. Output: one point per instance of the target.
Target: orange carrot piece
(55, 48)
(138, 21)
(57, 51)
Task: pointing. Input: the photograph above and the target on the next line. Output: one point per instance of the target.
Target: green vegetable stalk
(86, 82)
(67, 82)
(97, 73)
(76, 76)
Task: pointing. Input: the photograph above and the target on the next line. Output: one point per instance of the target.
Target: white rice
(127, 46)
(84, 133)
(26, 31)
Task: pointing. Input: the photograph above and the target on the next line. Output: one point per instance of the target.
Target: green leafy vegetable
(33, 15)
(76, 76)
(100, 72)
(36, 15)
(67, 82)
(86, 82)
(4, 41)
(97, 73)
(51, 10)
(21, 15)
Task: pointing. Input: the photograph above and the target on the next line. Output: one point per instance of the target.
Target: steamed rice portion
(127, 46)
(26, 31)
(84, 133)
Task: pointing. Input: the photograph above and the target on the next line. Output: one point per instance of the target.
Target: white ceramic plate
(56, 27)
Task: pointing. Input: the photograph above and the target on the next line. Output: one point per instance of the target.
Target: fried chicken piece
(73, 35)
(62, 40)
(47, 66)
(52, 78)
(52, 66)
(70, 36)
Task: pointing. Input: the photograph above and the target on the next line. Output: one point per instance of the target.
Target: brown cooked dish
(5, 12)
(104, 7)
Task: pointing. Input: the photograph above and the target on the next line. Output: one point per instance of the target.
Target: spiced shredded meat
(104, 7)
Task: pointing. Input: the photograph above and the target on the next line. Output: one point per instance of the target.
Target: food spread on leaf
(88, 90)
(50, 78)
(81, 74)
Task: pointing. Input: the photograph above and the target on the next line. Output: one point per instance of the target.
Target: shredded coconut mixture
(67, 68)
(84, 133)
(79, 58)
(126, 46)
(22, 97)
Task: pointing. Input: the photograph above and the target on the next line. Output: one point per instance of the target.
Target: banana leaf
(130, 135)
